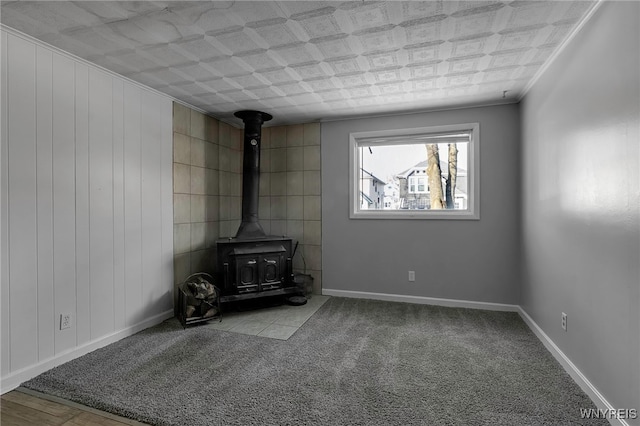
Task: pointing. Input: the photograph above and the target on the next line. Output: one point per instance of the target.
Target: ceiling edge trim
(423, 111)
(73, 57)
(587, 17)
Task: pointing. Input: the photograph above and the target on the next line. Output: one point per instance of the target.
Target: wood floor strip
(24, 407)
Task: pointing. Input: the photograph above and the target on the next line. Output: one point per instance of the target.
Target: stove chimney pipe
(250, 227)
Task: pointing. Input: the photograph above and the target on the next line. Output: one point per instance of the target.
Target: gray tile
(198, 157)
(278, 136)
(181, 148)
(212, 184)
(181, 208)
(212, 208)
(312, 183)
(312, 157)
(224, 208)
(312, 207)
(312, 134)
(235, 207)
(265, 160)
(211, 129)
(181, 267)
(295, 183)
(277, 331)
(198, 180)
(279, 183)
(313, 256)
(295, 134)
(278, 160)
(211, 159)
(182, 238)
(295, 230)
(181, 119)
(295, 207)
(212, 233)
(227, 322)
(198, 236)
(265, 183)
(264, 208)
(312, 232)
(225, 159)
(278, 208)
(293, 318)
(295, 158)
(181, 178)
(265, 141)
(224, 134)
(278, 227)
(249, 326)
(224, 181)
(198, 208)
(197, 125)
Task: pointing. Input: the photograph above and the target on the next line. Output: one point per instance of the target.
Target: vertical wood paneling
(64, 212)
(132, 205)
(5, 351)
(83, 289)
(44, 162)
(151, 205)
(166, 170)
(118, 204)
(86, 203)
(101, 201)
(21, 93)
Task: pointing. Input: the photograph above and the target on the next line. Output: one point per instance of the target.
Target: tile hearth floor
(278, 322)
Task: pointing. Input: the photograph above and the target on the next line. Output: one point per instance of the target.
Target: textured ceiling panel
(312, 60)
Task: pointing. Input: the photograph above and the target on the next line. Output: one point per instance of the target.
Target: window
(422, 173)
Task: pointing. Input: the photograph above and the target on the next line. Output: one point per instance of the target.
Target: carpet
(354, 362)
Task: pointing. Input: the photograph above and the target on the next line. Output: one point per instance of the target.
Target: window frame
(395, 136)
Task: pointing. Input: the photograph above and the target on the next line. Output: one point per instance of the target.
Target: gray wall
(580, 202)
(466, 260)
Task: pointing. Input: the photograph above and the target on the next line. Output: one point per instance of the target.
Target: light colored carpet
(354, 362)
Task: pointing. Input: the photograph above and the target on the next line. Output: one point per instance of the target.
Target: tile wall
(290, 192)
(207, 182)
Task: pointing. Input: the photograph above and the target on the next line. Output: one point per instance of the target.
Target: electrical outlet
(412, 276)
(65, 321)
(564, 321)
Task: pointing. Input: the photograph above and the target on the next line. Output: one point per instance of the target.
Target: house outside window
(430, 173)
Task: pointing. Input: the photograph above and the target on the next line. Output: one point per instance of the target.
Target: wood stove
(253, 264)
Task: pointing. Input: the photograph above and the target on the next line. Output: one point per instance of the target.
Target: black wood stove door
(260, 272)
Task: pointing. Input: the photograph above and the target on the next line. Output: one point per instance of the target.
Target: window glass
(415, 173)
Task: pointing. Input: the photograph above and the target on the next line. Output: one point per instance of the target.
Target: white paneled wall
(87, 215)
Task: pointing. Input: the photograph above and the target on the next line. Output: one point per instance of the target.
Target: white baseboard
(577, 376)
(454, 303)
(14, 379)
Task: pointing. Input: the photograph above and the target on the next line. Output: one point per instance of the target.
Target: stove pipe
(250, 228)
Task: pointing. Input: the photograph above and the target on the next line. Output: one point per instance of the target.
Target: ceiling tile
(320, 26)
(345, 65)
(198, 47)
(228, 66)
(470, 46)
(333, 46)
(277, 34)
(321, 84)
(368, 16)
(259, 61)
(295, 54)
(312, 59)
(278, 75)
(235, 39)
